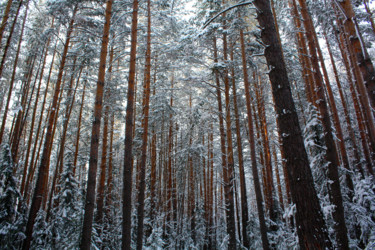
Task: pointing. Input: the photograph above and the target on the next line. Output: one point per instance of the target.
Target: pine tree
(67, 216)
(11, 220)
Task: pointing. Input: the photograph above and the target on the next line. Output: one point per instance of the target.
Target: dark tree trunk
(146, 111)
(311, 228)
(127, 174)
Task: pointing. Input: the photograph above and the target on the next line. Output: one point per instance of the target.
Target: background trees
(218, 124)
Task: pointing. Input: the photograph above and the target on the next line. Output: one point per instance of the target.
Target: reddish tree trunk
(11, 84)
(146, 111)
(244, 206)
(41, 185)
(254, 168)
(95, 134)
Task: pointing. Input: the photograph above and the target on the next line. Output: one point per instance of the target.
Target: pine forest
(187, 124)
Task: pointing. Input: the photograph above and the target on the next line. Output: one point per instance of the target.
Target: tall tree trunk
(244, 206)
(336, 120)
(303, 54)
(311, 228)
(228, 171)
(18, 126)
(269, 185)
(345, 106)
(41, 185)
(34, 156)
(31, 131)
(369, 14)
(221, 126)
(153, 163)
(127, 178)
(331, 151)
(78, 135)
(9, 39)
(11, 84)
(360, 52)
(5, 18)
(361, 126)
(103, 167)
(357, 69)
(95, 134)
(146, 111)
(254, 167)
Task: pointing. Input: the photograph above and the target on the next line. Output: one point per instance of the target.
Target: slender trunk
(361, 126)
(78, 135)
(221, 125)
(103, 166)
(335, 114)
(95, 134)
(5, 18)
(365, 103)
(146, 111)
(18, 127)
(228, 171)
(31, 131)
(30, 174)
(70, 97)
(270, 203)
(127, 174)
(345, 106)
(33, 155)
(60, 156)
(244, 206)
(11, 84)
(9, 40)
(110, 167)
(54, 127)
(303, 54)
(369, 14)
(254, 168)
(41, 185)
(360, 52)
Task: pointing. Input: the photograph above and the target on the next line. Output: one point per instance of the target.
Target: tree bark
(95, 134)
(360, 52)
(228, 172)
(254, 168)
(244, 206)
(127, 174)
(361, 126)
(311, 228)
(146, 111)
(331, 151)
(222, 135)
(345, 107)
(78, 135)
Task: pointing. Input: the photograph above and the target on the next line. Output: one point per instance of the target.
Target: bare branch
(225, 10)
